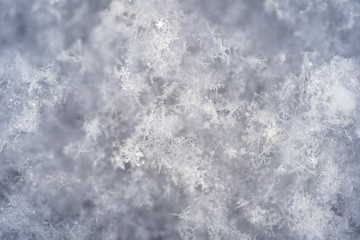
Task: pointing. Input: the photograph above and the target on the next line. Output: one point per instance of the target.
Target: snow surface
(179, 119)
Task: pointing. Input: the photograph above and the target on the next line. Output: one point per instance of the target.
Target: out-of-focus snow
(344, 100)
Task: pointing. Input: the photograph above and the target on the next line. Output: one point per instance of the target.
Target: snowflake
(231, 152)
(92, 128)
(159, 24)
